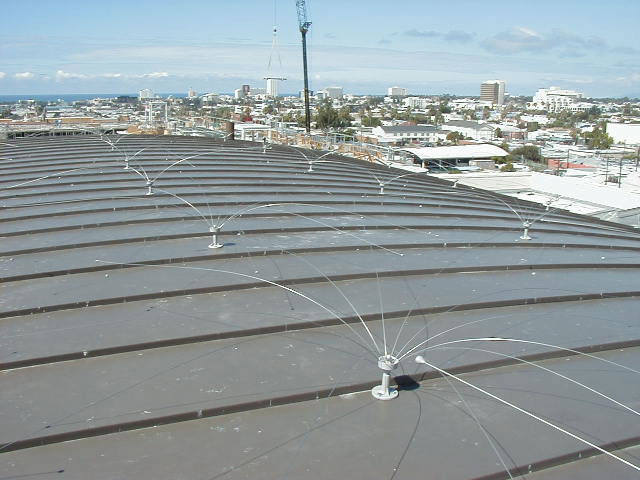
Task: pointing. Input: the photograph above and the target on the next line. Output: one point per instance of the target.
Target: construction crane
(271, 78)
(304, 25)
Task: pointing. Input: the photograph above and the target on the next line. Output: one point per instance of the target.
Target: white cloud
(156, 75)
(571, 45)
(629, 79)
(23, 76)
(518, 39)
(148, 75)
(456, 36)
(61, 75)
(2, 75)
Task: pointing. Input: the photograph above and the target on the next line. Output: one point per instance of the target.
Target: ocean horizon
(72, 97)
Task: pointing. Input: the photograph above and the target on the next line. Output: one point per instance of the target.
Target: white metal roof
(483, 150)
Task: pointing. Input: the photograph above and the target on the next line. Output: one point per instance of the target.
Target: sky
(426, 46)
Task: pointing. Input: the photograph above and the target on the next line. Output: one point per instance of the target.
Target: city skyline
(364, 47)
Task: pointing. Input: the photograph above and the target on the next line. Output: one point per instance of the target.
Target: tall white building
(397, 92)
(417, 102)
(492, 91)
(554, 99)
(146, 93)
(192, 93)
(272, 87)
(333, 92)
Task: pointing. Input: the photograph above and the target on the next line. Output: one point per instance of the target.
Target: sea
(72, 97)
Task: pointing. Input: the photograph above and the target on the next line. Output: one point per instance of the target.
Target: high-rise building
(396, 92)
(272, 87)
(192, 93)
(145, 93)
(555, 99)
(492, 91)
(333, 92)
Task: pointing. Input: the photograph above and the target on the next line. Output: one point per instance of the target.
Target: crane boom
(301, 7)
(304, 25)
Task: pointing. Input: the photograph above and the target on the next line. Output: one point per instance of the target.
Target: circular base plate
(525, 237)
(380, 393)
(215, 245)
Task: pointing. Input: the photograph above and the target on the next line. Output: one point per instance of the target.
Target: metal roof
(131, 349)
(408, 128)
(469, 124)
(480, 150)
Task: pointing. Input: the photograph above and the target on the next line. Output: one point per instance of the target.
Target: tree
(370, 121)
(598, 139)
(268, 109)
(246, 116)
(374, 101)
(530, 152)
(345, 116)
(328, 117)
(507, 167)
(497, 132)
(455, 137)
(444, 108)
(594, 111)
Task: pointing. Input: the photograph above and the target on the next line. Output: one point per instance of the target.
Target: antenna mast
(304, 25)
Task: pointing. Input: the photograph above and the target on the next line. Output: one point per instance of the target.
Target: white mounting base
(382, 393)
(215, 245)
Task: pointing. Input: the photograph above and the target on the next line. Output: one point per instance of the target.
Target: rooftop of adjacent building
(132, 349)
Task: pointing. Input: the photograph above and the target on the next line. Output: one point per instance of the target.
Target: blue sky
(428, 46)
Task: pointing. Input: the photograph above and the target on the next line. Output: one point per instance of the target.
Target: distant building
(272, 87)
(406, 133)
(245, 90)
(192, 93)
(459, 155)
(580, 107)
(239, 93)
(624, 132)
(470, 129)
(333, 92)
(417, 102)
(554, 99)
(146, 93)
(492, 91)
(397, 92)
(210, 98)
